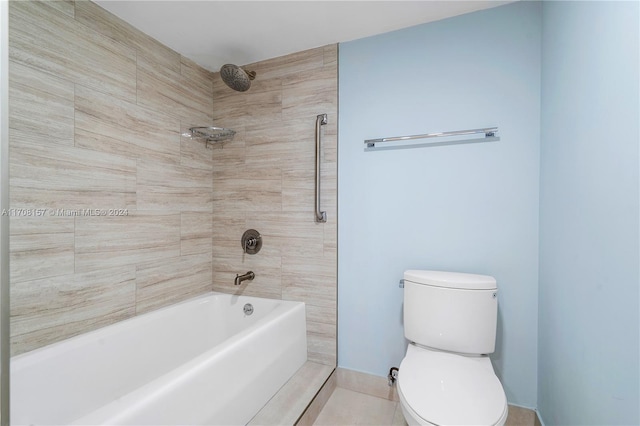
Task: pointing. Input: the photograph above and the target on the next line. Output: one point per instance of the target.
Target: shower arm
(320, 121)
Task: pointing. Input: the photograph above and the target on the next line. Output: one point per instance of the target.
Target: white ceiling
(213, 33)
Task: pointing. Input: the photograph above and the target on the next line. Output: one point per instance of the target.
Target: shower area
(265, 180)
(117, 210)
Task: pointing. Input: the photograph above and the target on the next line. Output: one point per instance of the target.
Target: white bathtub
(199, 362)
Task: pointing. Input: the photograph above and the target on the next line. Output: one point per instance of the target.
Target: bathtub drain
(248, 309)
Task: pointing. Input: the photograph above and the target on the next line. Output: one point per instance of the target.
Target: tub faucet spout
(244, 277)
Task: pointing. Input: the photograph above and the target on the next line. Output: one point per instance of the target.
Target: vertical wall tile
(41, 107)
(44, 38)
(305, 61)
(196, 229)
(290, 143)
(103, 22)
(229, 157)
(228, 227)
(105, 242)
(298, 190)
(65, 6)
(48, 310)
(163, 282)
(61, 177)
(267, 178)
(41, 246)
(196, 74)
(308, 278)
(330, 55)
(303, 97)
(170, 92)
(107, 124)
(321, 349)
(228, 105)
(168, 187)
(264, 101)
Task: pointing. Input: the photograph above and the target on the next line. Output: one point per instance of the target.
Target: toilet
(446, 377)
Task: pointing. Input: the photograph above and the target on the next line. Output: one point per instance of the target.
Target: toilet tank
(451, 311)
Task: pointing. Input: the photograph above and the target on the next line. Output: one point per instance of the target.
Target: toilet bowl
(440, 388)
(446, 376)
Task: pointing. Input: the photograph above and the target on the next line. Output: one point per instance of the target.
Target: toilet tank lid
(451, 279)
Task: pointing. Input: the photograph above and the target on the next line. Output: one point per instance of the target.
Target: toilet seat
(443, 388)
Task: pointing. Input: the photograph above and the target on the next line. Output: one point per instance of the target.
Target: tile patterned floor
(346, 407)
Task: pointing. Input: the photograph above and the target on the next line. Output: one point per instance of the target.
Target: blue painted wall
(468, 208)
(589, 255)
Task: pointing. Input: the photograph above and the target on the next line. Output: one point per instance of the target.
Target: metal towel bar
(486, 134)
(320, 121)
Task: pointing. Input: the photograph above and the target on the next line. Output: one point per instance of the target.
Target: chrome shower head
(236, 78)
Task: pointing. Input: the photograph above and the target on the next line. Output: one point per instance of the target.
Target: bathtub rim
(42, 353)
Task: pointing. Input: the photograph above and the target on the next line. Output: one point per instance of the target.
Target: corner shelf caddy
(211, 134)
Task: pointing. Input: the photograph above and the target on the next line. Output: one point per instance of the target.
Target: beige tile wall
(264, 180)
(96, 113)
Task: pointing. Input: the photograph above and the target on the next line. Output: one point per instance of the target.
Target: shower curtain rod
(489, 134)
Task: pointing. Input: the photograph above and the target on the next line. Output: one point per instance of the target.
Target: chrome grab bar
(320, 121)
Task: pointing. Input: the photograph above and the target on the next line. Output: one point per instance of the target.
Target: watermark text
(64, 212)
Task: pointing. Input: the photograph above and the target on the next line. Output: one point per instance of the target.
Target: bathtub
(199, 362)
